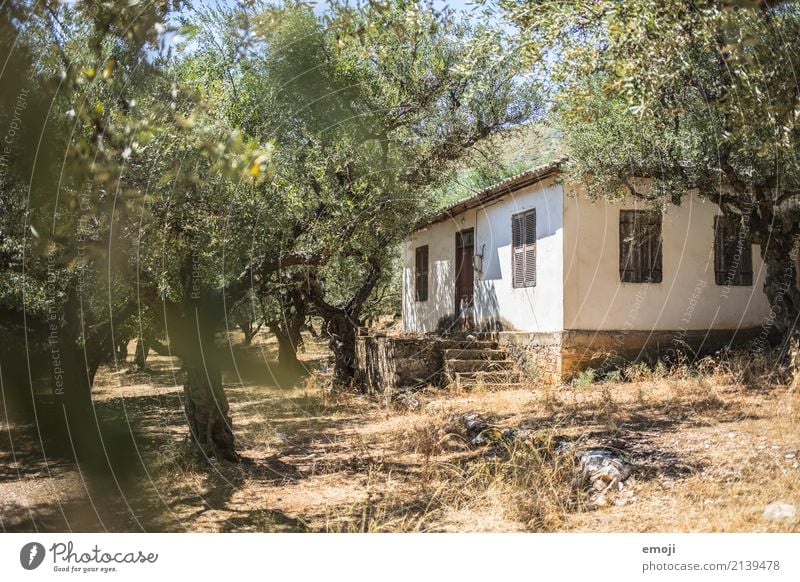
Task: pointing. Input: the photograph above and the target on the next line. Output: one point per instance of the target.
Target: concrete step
(454, 344)
(473, 354)
(505, 377)
(489, 386)
(461, 366)
(474, 335)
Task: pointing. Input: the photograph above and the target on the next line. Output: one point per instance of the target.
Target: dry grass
(711, 443)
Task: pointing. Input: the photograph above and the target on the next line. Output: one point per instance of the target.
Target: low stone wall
(538, 354)
(375, 364)
(387, 363)
(582, 349)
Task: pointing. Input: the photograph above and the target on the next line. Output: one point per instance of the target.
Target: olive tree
(369, 107)
(693, 95)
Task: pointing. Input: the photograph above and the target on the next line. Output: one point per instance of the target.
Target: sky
(457, 5)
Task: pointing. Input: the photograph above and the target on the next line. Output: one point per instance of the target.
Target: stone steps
(475, 354)
(489, 379)
(479, 361)
(458, 344)
(462, 366)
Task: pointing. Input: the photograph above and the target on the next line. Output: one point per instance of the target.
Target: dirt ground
(710, 448)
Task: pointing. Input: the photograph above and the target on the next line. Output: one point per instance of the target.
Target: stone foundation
(538, 354)
(583, 349)
(386, 364)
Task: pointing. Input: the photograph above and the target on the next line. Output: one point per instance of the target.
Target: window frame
(641, 273)
(723, 276)
(421, 279)
(528, 279)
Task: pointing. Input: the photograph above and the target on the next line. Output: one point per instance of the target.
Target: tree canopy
(691, 95)
(270, 160)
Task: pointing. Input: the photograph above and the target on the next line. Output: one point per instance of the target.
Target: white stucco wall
(423, 316)
(538, 308)
(687, 298)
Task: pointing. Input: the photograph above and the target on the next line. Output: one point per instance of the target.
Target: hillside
(506, 154)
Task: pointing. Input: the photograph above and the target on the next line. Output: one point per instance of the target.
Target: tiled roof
(498, 190)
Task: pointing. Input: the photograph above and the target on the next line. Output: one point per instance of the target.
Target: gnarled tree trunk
(249, 329)
(206, 406)
(780, 255)
(287, 348)
(140, 355)
(341, 323)
(207, 409)
(289, 327)
(342, 331)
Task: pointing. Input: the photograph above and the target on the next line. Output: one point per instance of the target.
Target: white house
(574, 282)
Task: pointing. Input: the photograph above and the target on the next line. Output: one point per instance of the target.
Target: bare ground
(710, 448)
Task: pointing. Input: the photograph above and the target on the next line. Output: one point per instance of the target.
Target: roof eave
(495, 191)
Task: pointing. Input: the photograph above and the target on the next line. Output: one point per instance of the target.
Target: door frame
(460, 263)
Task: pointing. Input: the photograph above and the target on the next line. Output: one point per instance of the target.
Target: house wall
(425, 316)
(497, 304)
(686, 299)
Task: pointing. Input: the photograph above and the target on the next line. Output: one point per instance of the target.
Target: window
(733, 255)
(523, 242)
(421, 273)
(640, 246)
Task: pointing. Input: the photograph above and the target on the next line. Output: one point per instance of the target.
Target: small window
(733, 255)
(523, 235)
(640, 246)
(421, 273)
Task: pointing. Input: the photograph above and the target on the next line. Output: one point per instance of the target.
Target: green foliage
(657, 99)
(585, 379)
(268, 146)
(690, 95)
(505, 154)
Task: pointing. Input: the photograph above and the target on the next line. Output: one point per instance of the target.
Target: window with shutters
(733, 255)
(523, 243)
(640, 246)
(421, 273)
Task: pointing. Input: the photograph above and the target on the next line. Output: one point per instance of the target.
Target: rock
(512, 435)
(480, 432)
(407, 400)
(603, 470)
(433, 406)
(474, 423)
(780, 510)
(599, 500)
(477, 429)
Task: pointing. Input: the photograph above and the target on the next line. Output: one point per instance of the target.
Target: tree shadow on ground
(632, 428)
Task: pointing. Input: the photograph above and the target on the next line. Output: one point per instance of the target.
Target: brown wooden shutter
(746, 261)
(640, 255)
(421, 273)
(733, 254)
(530, 248)
(720, 263)
(517, 249)
(523, 248)
(627, 265)
(652, 267)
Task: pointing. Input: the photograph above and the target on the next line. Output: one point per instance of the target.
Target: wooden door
(465, 277)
